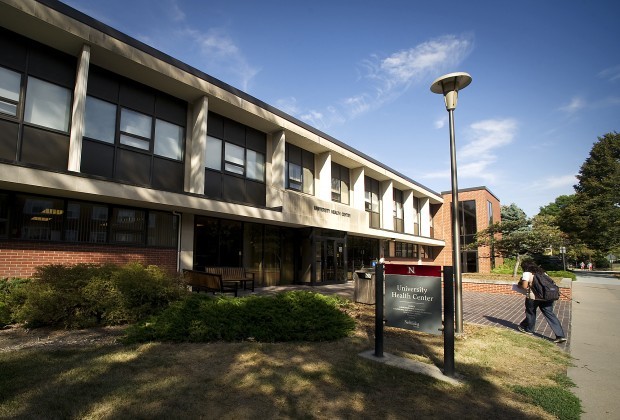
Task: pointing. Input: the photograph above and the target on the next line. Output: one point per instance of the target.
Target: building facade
(111, 151)
(478, 209)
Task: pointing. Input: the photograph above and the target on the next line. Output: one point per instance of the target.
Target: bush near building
(87, 295)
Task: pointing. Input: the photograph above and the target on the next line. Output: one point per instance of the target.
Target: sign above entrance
(331, 211)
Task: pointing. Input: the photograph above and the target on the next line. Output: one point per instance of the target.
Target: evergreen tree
(593, 215)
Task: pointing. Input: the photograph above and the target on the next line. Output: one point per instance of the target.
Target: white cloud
(393, 75)
(288, 105)
(175, 12)
(612, 74)
(476, 158)
(389, 77)
(440, 122)
(486, 136)
(219, 51)
(554, 182)
(427, 58)
(322, 120)
(357, 105)
(313, 117)
(573, 106)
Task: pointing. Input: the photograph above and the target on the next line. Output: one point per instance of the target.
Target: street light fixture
(449, 86)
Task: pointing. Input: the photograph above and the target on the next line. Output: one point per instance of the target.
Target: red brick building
(478, 207)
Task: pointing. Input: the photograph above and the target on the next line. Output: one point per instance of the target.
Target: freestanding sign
(413, 298)
(411, 315)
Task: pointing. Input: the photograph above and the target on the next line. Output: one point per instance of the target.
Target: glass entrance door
(331, 267)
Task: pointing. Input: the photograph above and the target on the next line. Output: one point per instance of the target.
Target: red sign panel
(413, 270)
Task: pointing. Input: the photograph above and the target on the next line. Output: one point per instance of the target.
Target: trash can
(364, 291)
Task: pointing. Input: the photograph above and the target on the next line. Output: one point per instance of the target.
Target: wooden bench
(238, 275)
(208, 282)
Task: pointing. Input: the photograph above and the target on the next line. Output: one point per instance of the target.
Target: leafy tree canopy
(513, 213)
(556, 208)
(593, 215)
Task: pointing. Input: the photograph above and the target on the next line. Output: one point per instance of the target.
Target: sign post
(448, 321)
(379, 271)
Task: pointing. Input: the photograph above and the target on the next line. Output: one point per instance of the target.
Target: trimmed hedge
(289, 316)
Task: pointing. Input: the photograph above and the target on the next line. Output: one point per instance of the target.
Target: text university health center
(111, 151)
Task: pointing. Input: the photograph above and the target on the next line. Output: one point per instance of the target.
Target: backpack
(544, 287)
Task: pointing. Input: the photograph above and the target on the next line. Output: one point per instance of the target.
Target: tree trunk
(514, 273)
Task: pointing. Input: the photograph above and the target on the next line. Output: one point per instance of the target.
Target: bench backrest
(198, 278)
(234, 273)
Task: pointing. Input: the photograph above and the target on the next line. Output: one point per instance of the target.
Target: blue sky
(546, 77)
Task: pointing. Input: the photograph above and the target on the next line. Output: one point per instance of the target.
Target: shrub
(289, 316)
(562, 274)
(506, 268)
(12, 297)
(86, 295)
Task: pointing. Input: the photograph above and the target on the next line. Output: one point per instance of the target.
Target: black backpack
(544, 287)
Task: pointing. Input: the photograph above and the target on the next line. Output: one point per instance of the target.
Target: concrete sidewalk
(595, 343)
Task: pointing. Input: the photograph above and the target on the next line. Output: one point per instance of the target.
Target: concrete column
(408, 214)
(425, 217)
(323, 164)
(186, 247)
(196, 146)
(386, 189)
(357, 188)
(77, 113)
(275, 168)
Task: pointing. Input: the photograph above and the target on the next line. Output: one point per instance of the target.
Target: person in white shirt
(533, 302)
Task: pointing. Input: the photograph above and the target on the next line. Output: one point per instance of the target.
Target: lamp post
(449, 86)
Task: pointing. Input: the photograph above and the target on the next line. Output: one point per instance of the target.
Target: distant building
(478, 208)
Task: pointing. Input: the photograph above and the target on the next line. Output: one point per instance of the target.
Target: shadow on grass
(246, 380)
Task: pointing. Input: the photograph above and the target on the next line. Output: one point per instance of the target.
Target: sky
(546, 77)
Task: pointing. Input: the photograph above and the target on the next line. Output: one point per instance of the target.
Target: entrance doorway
(330, 261)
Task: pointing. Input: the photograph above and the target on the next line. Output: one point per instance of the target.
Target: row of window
(27, 217)
(135, 134)
(409, 251)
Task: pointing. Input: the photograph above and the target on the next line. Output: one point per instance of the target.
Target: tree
(556, 208)
(593, 215)
(513, 213)
(516, 236)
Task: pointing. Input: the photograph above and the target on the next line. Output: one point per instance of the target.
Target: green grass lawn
(319, 380)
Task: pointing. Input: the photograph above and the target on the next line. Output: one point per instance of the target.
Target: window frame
(30, 114)
(302, 161)
(372, 202)
(398, 210)
(340, 179)
(9, 101)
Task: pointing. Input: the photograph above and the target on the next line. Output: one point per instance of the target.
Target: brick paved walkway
(507, 311)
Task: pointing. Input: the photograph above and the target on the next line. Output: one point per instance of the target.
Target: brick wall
(506, 289)
(19, 259)
(481, 196)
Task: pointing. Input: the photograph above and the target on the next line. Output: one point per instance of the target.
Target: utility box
(364, 291)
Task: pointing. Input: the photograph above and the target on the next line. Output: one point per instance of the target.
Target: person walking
(533, 303)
